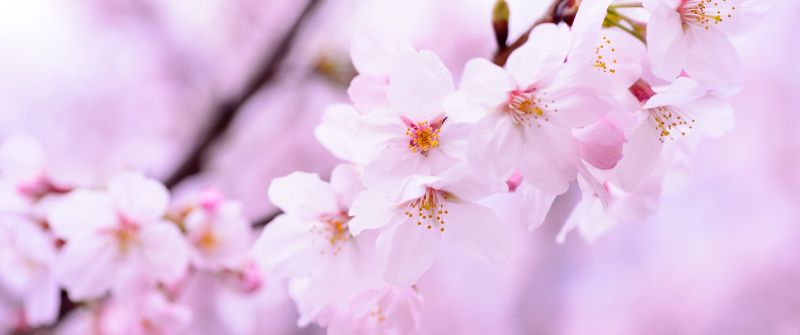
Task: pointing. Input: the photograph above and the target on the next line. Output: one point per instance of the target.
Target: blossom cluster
(122, 252)
(609, 106)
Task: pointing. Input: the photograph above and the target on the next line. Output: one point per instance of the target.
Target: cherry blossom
(312, 241)
(216, 231)
(524, 113)
(668, 114)
(387, 310)
(27, 255)
(692, 35)
(374, 54)
(413, 135)
(116, 235)
(430, 212)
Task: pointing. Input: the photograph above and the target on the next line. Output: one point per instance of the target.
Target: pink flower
(430, 210)
(217, 232)
(116, 235)
(387, 310)
(668, 114)
(524, 113)
(139, 309)
(615, 55)
(27, 255)
(23, 174)
(692, 35)
(604, 204)
(374, 54)
(312, 239)
(413, 135)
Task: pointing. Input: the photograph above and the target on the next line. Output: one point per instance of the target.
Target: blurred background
(108, 85)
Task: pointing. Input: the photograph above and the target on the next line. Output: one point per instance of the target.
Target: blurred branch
(266, 219)
(559, 11)
(227, 110)
(223, 116)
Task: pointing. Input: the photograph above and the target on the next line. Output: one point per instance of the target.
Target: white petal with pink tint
(138, 198)
(419, 83)
(87, 266)
(303, 195)
(407, 251)
(537, 59)
(164, 252)
(81, 213)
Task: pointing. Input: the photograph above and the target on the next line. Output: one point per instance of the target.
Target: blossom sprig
(589, 99)
(599, 96)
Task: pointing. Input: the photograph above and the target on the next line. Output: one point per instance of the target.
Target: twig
(224, 115)
(559, 11)
(227, 110)
(266, 219)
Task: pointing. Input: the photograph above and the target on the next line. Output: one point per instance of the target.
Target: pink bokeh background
(111, 85)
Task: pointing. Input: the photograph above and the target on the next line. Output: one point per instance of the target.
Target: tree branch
(265, 220)
(559, 11)
(227, 110)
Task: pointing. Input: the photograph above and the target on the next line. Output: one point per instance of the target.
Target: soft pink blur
(109, 85)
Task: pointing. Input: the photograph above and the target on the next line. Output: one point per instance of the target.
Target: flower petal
(419, 83)
(164, 252)
(287, 246)
(346, 183)
(42, 305)
(140, 199)
(81, 213)
(551, 160)
(374, 52)
(370, 211)
(303, 195)
(336, 129)
(406, 252)
(477, 229)
(712, 58)
(543, 53)
(87, 266)
(665, 43)
(600, 144)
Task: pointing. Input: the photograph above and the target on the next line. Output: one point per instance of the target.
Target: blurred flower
(116, 235)
(692, 35)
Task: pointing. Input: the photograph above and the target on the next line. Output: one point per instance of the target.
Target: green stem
(626, 5)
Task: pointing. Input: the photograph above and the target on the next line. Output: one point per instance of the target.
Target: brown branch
(223, 116)
(559, 11)
(266, 219)
(227, 110)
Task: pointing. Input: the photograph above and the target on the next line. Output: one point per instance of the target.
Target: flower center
(429, 209)
(126, 236)
(704, 13)
(424, 135)
(526, 107)
(207, 241)
(669, 121)
(334, 230)
(604, 60)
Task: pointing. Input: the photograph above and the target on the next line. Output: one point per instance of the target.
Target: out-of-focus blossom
(138, 310)
(27, 257)
(115, 236)
(669, 114)
(217, 232)
(692, 36)
(387, 310)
